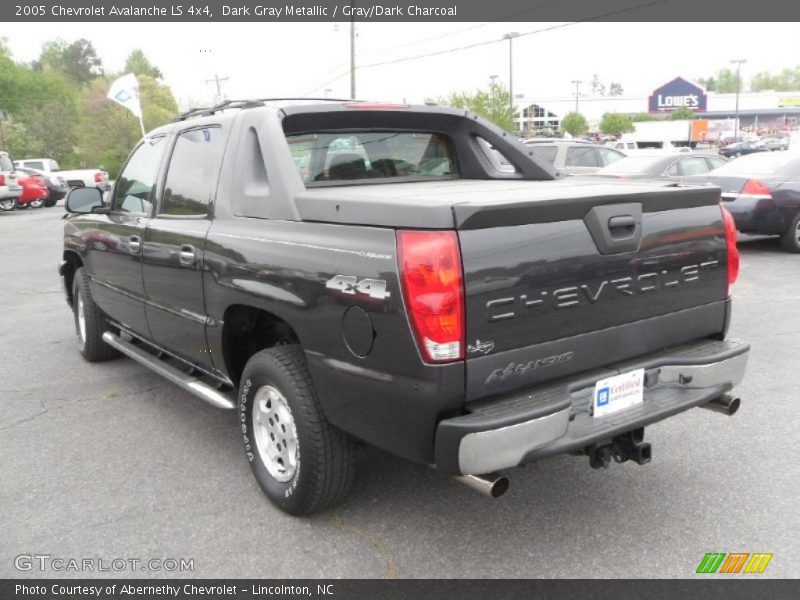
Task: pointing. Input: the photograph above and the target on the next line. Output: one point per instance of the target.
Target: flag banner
(125, 92)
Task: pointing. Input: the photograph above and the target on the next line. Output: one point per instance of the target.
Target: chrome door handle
(135, 244)
(188, 255)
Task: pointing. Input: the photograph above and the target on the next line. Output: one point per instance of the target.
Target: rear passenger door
(174, 240)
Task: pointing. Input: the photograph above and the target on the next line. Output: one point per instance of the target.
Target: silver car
(10, 190)
(575, 158)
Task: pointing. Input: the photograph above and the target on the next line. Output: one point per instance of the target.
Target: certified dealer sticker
(618, 392)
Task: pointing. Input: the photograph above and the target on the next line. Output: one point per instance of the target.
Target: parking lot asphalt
(111, 461)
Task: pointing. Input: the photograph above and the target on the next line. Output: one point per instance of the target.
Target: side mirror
(83, 200)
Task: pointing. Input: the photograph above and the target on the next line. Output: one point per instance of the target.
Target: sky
(293, 59)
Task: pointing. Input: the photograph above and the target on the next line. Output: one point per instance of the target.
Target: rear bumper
(555, 418)
(757, 215)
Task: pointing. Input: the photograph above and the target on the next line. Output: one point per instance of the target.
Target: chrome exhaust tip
(725, 404)
(492, 485)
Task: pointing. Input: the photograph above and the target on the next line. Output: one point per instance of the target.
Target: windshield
(633, 164)
(336, 158)
(5, 163)
(763, 163)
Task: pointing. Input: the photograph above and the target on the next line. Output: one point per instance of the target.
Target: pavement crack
(28, 419)
(391, 569)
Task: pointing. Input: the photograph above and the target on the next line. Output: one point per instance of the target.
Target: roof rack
(210, 110)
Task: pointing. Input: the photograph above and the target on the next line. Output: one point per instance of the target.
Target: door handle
(622, 226)
(188, 255)
(135, 244)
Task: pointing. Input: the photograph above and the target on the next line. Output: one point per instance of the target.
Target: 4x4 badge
(480, 347)
(349, 284)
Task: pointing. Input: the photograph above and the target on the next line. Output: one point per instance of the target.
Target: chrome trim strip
(182, 380)
(486, 451)
(730, 370)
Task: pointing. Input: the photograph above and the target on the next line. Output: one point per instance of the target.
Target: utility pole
(510, 37)
(577, 83)
(217, 81)
(353, 54)
(738, 62)
(494, 89)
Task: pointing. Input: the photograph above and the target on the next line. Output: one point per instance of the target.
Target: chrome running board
(176, 376)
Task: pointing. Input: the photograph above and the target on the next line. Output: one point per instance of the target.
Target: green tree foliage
(723, 82)
(78, 61)
(491, 103)
(683, 113)
(616, 124)
(787, 80)
(615, 89)
(575, 124)
(138, 64)
(641, 117)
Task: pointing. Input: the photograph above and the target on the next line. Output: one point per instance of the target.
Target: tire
(50, 203)
(790, 240)
(38, 203)
(7, 204)
(277, 399)
(90, 322)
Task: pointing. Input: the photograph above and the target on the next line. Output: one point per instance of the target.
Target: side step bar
(179, 378)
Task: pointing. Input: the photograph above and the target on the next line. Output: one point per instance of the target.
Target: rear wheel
(38, 203)
(90, 322)
(302, 463)
(790, 240)
(7, 204)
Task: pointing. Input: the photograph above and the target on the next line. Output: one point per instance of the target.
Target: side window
(496, 158)
(693, 166)
(544, 152)
(715, 162)
(674, 170)
(34, 164)
(192, 173)
(134, 190)
(581, 157)
(608, 156)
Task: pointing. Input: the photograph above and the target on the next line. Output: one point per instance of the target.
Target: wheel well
(72, 264)
(248, 330)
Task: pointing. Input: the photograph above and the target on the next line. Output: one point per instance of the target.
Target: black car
(740, 149)
(661, 166)
(56, 185)
(762, 192)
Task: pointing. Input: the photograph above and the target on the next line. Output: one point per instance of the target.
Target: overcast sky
(287, 59)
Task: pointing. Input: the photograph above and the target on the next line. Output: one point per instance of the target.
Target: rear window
(766, 163)
(5, 163)
(544, 153)
(346, 157)
(631, 165)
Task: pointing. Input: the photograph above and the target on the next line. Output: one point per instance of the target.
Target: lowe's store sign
(676, 94)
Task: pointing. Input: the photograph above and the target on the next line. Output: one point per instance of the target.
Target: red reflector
(2, 179)
(754, 187)
(733, 251)
(375, 106)
(433, 289)
(98, 177)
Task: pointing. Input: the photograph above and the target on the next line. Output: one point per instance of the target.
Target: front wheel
(38, 203)
(7, 204)
(790, 240)
(90, 323)
(302, 463)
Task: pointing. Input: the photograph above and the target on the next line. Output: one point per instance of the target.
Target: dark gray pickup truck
(340, 271)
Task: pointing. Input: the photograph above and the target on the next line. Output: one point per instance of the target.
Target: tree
(491, 103)
(575, 124)
(684, 113)
(616, 124)
(598, 88)
(641, 117)
(78, 61)
(723, 82)
(138, 64)
(785, 81)
(615, 89)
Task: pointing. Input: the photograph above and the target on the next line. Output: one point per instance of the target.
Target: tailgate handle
(622, 226)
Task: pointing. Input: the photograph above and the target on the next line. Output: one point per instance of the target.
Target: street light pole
(738, 62)
(493, 78)
(577, 83)
(510, 37)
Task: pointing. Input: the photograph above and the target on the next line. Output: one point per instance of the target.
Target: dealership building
(763, 112)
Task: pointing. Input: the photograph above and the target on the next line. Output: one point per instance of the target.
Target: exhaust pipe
(725, 404)
(491, 484)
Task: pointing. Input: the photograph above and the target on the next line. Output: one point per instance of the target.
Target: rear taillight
(733, 251)
(433, 289)
(755, 189)
(2, 179)
(98, 177)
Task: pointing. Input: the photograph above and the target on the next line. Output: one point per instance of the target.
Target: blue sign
(602, 396)
(678, 93)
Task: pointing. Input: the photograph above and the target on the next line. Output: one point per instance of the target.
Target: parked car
(740, 149)
(762, 192)
(407, 293)
(573, 156)
(675, 167)
(10, 190)
(34, 190)
(56, 186)
(773, 143)
(76, 178)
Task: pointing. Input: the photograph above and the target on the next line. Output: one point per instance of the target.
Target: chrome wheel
(8, 203)
(81, 319)
(275, 433)
(797, 233)
(37, 203)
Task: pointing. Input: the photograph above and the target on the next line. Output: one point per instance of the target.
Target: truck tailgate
(559, 285)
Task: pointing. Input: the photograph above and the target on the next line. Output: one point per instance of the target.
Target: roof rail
(210, 110)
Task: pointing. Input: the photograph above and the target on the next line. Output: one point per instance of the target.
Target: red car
(34, 189)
